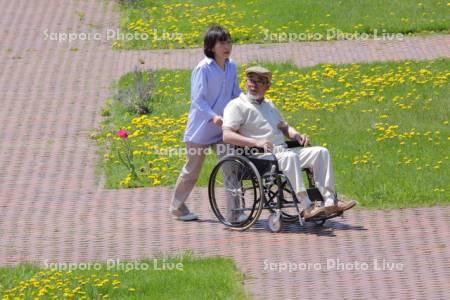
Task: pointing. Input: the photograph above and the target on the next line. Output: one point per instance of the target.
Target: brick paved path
(52, 207)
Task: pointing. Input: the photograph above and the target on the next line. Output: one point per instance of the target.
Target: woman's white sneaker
(188, 217)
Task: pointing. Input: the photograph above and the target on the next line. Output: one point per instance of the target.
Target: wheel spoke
(235, 192)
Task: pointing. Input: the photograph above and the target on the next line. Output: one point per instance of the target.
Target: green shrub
(136, 92)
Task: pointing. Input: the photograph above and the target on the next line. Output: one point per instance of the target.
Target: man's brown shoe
(345, 205)
(314, 212)
(332, 209)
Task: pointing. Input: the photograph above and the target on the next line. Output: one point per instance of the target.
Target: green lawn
(190, 278)
(181, 24)
(386, 125)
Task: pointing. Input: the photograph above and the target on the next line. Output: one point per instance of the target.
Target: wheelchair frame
(267, 175)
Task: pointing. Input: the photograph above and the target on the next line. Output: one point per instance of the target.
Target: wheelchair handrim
(212, 199)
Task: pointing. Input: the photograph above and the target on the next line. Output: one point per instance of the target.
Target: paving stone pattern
(52, 206)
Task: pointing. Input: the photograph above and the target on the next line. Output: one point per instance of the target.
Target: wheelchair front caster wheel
(275, 223)
(320, 222)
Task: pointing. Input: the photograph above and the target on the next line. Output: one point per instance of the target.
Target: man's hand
(217, 120)
(265, 144)
(302, 140)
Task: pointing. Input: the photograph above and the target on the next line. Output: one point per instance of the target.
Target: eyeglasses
(257, 81)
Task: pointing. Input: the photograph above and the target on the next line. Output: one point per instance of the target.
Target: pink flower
(122, 133)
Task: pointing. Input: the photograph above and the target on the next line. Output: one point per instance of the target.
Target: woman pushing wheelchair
(248, 120)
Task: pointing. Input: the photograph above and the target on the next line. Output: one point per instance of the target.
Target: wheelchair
(242, 186)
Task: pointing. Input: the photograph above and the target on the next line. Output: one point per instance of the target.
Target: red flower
(122, 133)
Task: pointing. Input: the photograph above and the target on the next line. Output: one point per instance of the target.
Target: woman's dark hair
(214, 34)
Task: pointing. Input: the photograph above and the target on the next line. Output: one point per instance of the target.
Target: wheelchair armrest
(293, 144)
(253, 150)
(289, 143)
(258, 150)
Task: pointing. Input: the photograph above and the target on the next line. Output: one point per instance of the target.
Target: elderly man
(253, 121)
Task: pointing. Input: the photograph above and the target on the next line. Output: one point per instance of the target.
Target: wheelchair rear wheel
(235, 192)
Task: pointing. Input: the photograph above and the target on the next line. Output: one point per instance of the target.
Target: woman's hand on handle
(217, 120)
